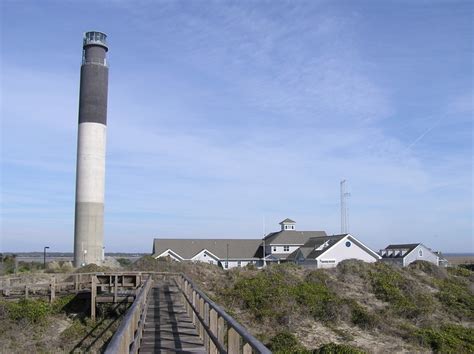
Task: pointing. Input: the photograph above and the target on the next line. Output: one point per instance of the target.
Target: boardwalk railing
(128, 336)
(219, 331)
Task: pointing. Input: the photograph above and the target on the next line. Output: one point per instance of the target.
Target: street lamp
(44, 256)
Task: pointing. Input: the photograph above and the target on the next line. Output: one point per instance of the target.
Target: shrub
(448, 339)
(124, 262)
(30, 310)
(263, 294)
(286, 343)
(455, 294)
(468, 266)
(429, 268)
(406, 298)
(362, 318)
(333, 348)
(460, 271)
(321, 302)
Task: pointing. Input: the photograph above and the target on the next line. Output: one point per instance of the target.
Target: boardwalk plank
(168, 328)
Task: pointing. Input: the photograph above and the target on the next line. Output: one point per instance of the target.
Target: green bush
(60, 303)
(34, 311)
(447, 339)
(262, 294)
(362, 318)
(124, 262)
(468, 266)
(31, 310)
(455, 294)
(405, 296)
(321, 302)
(460, 271)
(333, 348)
(286, 343)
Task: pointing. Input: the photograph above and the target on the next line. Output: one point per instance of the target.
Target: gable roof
(407, 247)
(308, 250)
(188, 248)
(287, 221)
(410, 246)
(290, 237)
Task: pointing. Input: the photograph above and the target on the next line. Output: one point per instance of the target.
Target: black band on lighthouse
(93, 95)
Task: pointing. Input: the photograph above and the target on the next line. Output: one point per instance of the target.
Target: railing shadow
(98, 325)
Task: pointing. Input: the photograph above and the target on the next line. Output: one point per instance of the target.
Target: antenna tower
(344, 214)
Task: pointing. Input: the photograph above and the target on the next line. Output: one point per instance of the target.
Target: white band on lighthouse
(91, 163)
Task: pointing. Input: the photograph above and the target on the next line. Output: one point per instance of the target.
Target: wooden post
(116, 289)
(52, 289)
(6, 289)
(213, 327)
(234, 341)
(26, 291)
(194, 305)
(247, 349)
(202, 331)
(206, 321)
(93, 296)
(220, 330)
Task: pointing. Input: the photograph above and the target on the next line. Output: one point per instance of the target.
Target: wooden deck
(168, 328)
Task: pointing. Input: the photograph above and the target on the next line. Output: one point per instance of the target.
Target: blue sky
(224, 113)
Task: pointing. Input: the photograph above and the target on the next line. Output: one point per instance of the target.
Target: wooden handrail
(127, 337)
(208, 311)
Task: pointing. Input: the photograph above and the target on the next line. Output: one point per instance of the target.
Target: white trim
(367, 248)
(167, 253)
(359, 244)
(205, 251)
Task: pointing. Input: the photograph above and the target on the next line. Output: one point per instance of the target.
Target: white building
(307, 248)
(404, 254)
(227, 253)
(328, 251)
(279, 245)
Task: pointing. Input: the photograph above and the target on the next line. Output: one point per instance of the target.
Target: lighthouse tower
(90, 171)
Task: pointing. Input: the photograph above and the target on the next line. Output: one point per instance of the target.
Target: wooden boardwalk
(168, 328)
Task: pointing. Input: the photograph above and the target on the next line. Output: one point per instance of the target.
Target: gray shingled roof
(410, 246)
(188, 248)
(288, 237)
(308, 249)
(405, 246)
(288, 221)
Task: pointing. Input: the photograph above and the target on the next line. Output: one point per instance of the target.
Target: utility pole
(227, 259)
(44, 256)
(344, 217)
(264, 255)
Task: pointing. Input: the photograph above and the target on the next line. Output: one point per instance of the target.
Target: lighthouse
(91, 142)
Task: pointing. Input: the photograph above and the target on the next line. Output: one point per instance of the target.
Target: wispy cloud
(224, 112)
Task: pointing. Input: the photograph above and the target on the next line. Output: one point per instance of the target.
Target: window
(226, 265)
(211, 261)
(205, 255)
(274, 249)
(328, 261)
(286, 248)
(239, 263)
(292, 227)
(348, 244)
(420, 253)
